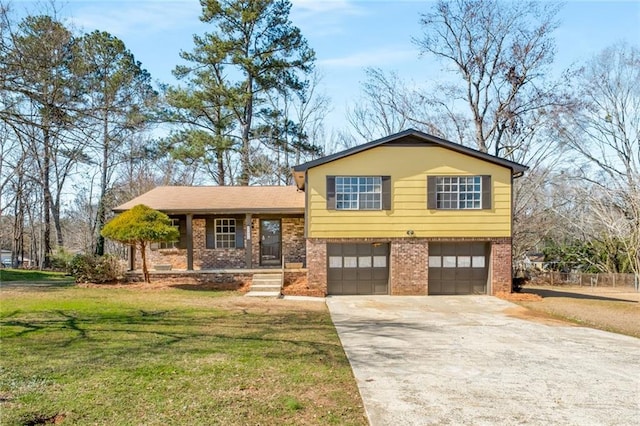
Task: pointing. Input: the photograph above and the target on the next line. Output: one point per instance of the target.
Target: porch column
(132, 257)
(248, 259)
(189, 242)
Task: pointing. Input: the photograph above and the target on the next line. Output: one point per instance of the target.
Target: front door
(270, 242)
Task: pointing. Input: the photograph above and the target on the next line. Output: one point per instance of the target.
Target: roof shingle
(221, 199)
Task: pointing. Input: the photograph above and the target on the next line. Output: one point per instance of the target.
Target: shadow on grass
(35, 285)
(143, 333)
(544, 293)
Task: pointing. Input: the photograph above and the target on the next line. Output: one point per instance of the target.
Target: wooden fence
(586, 280)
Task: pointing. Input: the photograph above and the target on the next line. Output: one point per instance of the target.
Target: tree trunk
(143, 253)
(245, 158)
(55, 211)
(46, 172)
(101, 214)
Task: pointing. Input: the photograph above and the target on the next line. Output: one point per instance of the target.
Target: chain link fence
(612, 280)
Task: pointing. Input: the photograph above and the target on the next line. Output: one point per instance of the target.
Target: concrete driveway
(450, 360)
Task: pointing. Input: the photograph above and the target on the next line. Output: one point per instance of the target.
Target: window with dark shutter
(459, 192)
(359, 192)
(224, 233)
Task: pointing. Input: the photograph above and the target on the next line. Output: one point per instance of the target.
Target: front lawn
(168, 356)
(29, 275)
(615, 310)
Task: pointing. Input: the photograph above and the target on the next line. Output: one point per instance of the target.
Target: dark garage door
(357, 268)
(458, 268)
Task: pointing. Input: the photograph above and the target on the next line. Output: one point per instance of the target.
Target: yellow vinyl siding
(408, 168)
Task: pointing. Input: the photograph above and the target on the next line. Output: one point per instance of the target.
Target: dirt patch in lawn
(604, 309)
(300, 287)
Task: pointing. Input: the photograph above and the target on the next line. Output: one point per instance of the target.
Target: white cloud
(313, 7)
(139, 17)
(371, 58)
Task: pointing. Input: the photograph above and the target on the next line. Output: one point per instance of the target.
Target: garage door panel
(349, 287)
(363, 268)
(365, 274)
(458, 268)
(379, 274)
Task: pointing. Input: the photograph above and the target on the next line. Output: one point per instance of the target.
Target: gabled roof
(410, 137)
(220, 199)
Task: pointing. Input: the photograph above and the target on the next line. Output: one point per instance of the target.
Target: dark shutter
(331, 192)
(431, 192)
(210, 233)
(182, 227)
(486, 192)
(386, 192)
(239, 233)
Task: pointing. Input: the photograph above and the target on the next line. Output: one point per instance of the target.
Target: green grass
(131, 356)
(28, 275)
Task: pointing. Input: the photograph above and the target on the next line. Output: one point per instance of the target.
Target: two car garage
(363, 268)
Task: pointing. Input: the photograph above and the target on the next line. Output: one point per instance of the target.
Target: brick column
(409, 269)
(500, 267)
(317, 265)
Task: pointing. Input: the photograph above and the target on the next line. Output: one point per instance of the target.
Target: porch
(217, 279)
(228, 244)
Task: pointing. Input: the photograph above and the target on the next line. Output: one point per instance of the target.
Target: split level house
(408, 214)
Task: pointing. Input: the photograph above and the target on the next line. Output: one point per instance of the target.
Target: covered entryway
(458, 268)
(270, 242)
(357, 268)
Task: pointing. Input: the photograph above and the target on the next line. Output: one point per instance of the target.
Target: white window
(350, 262)
(448, 261)
(335, 261)
(459, 192)
(225, 233)
(175, 243)
(358, 193)
(379, 261)
(477, 261)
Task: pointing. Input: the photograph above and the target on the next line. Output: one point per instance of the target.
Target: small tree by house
(138, 227)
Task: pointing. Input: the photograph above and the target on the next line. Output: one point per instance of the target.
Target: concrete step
(267, 282)
(263, 276)
(263, 293)
(266, 285)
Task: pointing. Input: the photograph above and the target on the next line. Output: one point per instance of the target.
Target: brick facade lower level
(292, 246)
(408, 263)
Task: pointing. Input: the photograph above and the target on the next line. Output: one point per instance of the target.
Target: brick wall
(293, 246)
(317, 265)
(501, 273)
(409, 272)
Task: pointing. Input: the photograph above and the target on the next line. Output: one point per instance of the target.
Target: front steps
(266, 285)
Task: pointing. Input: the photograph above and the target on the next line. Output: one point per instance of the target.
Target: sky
(347, 36)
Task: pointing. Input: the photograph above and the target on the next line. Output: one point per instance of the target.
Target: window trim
(174, 244)
(385, 194)
(485, 193)
(231, 241)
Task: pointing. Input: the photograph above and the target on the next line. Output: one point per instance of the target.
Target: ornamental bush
(95, 269)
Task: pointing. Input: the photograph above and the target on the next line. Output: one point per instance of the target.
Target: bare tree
(501, 51)
(606, 134)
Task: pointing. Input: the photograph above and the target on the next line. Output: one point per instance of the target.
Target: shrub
(95, 269)
(61, 260)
